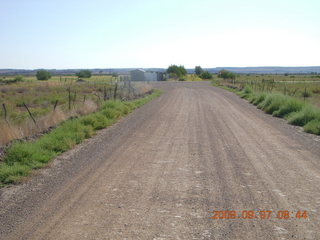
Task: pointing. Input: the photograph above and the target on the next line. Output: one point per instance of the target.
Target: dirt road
(158, 173)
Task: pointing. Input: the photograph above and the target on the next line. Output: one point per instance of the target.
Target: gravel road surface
(160, 172)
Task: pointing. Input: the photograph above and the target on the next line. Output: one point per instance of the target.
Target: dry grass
(41, 96)
(28, 128)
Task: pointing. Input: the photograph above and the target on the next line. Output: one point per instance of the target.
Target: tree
(84, 74)
(198, 70)
(177, 71)
(43, 75)
(206, 75)
(226, 75)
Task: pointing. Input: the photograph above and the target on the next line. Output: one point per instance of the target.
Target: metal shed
(142, 75)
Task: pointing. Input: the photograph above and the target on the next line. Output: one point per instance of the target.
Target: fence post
(105, 93)
(74, 98)
(34, 121)
(69, 98)
(305, 94)
(98, 98)
(115, 91)
(55, 105)
(5, 113)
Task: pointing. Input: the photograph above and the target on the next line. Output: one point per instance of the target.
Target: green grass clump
(96, 121)
(22, 157)
(13, 173)
(313, 127)
(289, 106)
(304, 116)
(259, 98)
(275, 103)
(266, 102)
(246, 93)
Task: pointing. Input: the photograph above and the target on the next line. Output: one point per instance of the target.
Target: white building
(142, 75)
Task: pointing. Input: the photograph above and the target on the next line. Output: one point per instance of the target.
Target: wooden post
(34, 121)
(98, 97)
(84, 98)
(69, 98)
(115, 91)
(105, 93)
(74, 98)
(5, 113)
(55, 105)
(305, 94)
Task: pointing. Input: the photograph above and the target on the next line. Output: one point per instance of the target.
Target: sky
(63, 34)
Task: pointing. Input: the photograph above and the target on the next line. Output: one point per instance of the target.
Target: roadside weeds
(295, 111)
(22, 157)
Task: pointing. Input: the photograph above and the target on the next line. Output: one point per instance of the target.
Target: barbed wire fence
(121, 89)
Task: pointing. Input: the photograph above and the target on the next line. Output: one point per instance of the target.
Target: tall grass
(22, 157)
(304, 116)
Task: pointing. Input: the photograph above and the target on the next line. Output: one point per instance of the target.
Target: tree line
(179, 72)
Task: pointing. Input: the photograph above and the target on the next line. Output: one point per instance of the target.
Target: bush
(43, 75)
(84, 74)
(226, 74)
(18, 78)
(313, 127)
(177, 71)
(206, 75)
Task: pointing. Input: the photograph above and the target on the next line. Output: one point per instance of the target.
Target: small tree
(198, 70)
(43, 75)
(18, 78)
(84, 74)
(206, 75)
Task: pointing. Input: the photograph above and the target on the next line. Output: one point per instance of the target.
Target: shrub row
(22, 157)
(295, 111)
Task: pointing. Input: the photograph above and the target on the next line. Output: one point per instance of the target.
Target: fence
(78, 98)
